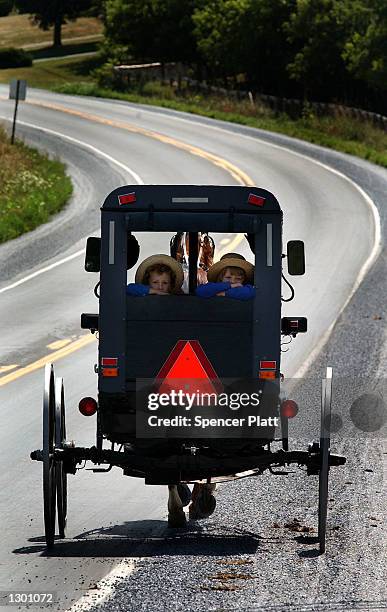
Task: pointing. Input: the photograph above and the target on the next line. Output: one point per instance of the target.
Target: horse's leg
(203, 501)
(176, 514)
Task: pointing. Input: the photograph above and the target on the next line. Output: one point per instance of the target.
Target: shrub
(6, 7)
(14, 58)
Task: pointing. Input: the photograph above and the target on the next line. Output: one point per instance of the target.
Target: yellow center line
(7, 368)
(63, 352)
(239, 175)
(58, 344)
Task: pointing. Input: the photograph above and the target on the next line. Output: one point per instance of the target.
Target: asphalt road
(277, 567)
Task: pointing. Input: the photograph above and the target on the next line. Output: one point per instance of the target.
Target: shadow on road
(149, 539)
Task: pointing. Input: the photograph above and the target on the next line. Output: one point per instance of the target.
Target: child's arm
(137, 290)
(211, 289)
(244, 292)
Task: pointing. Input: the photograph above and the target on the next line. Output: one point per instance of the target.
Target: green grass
(19, 31)
(32, 188)
(52, 73)
(66, 49)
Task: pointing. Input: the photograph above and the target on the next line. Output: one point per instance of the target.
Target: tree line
(325, 50)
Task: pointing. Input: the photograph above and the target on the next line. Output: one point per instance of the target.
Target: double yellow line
(237, 174)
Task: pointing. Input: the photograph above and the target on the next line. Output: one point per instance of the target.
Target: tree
(245, 36)
(155, 30)
(365, 53)
(54, 13)
(6, 7)
(319, 30)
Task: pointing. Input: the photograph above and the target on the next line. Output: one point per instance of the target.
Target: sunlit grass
(52, 73)
(32, 188)
(19, 31)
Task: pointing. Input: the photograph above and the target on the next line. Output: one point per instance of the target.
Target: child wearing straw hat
(157, 275)
(229, 277)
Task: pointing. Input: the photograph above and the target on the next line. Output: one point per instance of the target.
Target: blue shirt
(137, 290)
(246, 292)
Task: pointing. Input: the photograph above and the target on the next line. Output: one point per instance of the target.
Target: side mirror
(296, 257)
(93, 255)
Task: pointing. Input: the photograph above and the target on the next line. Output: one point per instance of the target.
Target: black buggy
(237, 343)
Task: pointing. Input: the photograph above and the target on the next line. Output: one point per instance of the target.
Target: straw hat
(231, 260)
(161, 260)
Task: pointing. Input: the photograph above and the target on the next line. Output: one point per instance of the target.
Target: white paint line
(105, 587)
(362, 273)
(85, 145)
(131, 172)
(42, 271)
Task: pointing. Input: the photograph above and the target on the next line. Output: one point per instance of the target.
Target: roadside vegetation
(331, 51)
(32, 188)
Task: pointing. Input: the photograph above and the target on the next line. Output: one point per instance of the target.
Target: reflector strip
(109, 372)
(266, 374)
(171, 358)
(189, 200)
(255, 200)
(269, 244)
(294, 323)
(267, 365)
(109, 361)
(127, 198)
(111, 241)
(203, 359)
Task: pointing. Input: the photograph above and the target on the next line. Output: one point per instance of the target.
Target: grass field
(18, 31)
(52, 73)
(32, 188)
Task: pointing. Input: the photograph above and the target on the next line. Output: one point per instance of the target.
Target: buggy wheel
(49, 480)
(60, 474)
(325, 441)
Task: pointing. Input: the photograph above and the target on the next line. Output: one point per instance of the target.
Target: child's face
(233, 276)
(161, 282)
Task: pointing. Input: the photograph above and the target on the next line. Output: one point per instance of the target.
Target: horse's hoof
(184, 493)
(177, 519)
(204, 503)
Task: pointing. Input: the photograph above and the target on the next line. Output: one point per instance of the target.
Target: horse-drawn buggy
(159, 356)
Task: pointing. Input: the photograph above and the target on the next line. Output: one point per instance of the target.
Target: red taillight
(267, 365)
(87, 406)
(109, 361)
(289, 408)
(126, 198)
(255, 200)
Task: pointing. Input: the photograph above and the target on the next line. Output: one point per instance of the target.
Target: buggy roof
(192, 207)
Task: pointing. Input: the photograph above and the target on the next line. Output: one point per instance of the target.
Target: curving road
(331, 202)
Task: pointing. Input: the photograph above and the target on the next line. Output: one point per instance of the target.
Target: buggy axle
(187, 466)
